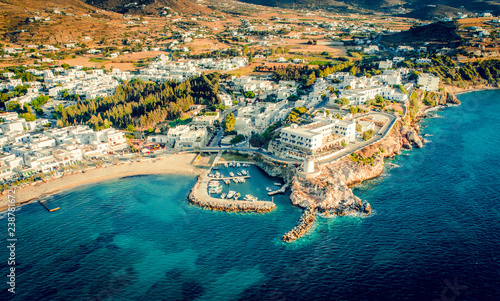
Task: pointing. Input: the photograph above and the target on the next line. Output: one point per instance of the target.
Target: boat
(237, 196)
(225, 164)
(239, 173)
(277, 184)
(223, 196)
(215, 190)
(235, 180)
(243, 172)
(242, 180)
(231, 194)
(231, 174)
(250, 198)
(269, 189)
(214, 184)
(238, 164)
(227, 181)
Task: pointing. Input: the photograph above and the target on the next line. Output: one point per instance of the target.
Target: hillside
(149, 7)
(421, 9)
(440, 34)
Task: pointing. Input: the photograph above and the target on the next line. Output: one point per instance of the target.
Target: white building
(321, 138)
(385, 64)
(428, 82)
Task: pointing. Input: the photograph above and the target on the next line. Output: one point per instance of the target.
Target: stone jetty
(199, 196)
(305, 222)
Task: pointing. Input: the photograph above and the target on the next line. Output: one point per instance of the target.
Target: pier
(45, 206)
(281, 190)
(229, 178)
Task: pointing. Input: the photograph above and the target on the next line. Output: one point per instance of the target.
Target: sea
(433, 234)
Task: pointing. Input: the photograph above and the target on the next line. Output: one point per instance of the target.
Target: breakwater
(304, 224)
(199, 196)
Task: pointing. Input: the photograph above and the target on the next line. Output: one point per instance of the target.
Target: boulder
(414, 139)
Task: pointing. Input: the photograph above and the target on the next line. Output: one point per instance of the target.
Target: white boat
(231, 174)
(215, 190)
(269, 189)
(223, 196)
(242, 180)
(227, 181)
(236, 180)
(231, 194)
(238, 164)
(214, 184)
(250, 198)
(277, 184)
(237, 196)
(239, 173)
(225, 164)
(243, 172)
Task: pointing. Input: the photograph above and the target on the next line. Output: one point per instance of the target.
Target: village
(319, 123)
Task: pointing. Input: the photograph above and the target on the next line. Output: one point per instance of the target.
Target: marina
(239, 192)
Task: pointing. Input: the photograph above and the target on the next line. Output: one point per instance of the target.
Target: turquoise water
(433, 234)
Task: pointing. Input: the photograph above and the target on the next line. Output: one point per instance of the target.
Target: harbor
(229, 186)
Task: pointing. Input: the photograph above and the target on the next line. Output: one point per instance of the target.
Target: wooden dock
(45, 206)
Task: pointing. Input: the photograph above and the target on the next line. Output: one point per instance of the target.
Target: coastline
(457, 91)
(174, 164)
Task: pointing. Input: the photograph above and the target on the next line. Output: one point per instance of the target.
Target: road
(381, 134)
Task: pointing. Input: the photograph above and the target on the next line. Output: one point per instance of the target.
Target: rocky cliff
(330, 193)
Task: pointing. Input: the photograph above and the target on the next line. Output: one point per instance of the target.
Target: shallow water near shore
(433, 234)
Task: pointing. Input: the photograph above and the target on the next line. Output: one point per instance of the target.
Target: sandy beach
(173, 164)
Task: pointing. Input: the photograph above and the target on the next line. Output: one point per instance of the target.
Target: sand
(173, 164)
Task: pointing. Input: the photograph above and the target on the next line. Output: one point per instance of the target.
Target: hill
(149, 7)
(421, 9)
(440, 34)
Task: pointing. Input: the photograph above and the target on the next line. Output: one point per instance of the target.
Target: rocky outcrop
(330, 193)
(441, 98)
(414, 139)
(273, 168)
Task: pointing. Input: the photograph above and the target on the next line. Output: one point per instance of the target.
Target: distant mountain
(148, 7)
(422, 9)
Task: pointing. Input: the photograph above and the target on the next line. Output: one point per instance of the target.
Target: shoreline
(458, 91)
(174, 164)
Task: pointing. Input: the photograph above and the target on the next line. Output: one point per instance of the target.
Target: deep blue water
(433, 234)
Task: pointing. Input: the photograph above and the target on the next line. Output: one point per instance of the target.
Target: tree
(28, 116)
(237, 139)
(353, 110)
(354, 70)
(130, 128)
(300, 110)
(14, 106)
(367, 135)
(249, 94)
(229, 123)
(292, 117)
(343, 101)
(359, 128)
(257, 140)
(311, 79)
